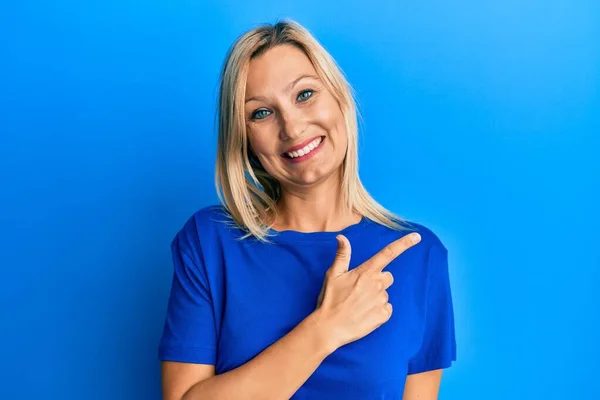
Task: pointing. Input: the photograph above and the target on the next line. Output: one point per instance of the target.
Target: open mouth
(306, 150)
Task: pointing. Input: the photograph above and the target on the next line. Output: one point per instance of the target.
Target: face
(295, 126)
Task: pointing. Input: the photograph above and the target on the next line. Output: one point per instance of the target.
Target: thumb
(341, 262)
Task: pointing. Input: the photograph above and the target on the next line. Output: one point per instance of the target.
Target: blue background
(481, 120)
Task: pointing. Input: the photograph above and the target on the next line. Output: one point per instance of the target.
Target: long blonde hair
(244, 188)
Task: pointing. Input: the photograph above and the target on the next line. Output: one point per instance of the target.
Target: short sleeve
(438, 347)
(189, 333)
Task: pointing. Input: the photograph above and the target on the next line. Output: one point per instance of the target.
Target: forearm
(274, 374)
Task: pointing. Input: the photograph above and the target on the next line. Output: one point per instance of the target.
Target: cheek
(334, 123)
(258, 141)
(329, 116)
(265, 150)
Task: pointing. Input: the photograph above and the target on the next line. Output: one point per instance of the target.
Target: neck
(315, 209)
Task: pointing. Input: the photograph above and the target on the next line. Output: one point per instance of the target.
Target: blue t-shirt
(232, 299)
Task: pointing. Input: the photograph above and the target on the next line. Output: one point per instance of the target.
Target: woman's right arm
(276, 373)
(353, 304)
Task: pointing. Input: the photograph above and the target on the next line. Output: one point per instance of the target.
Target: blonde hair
(245, 189)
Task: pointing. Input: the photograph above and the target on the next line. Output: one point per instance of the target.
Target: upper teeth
(306, 149)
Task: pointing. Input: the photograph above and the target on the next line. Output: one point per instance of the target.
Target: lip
(313, 153)
(301, 145)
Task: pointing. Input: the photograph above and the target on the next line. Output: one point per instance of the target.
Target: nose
(292, 125)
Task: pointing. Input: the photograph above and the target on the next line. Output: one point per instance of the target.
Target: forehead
(276, 68)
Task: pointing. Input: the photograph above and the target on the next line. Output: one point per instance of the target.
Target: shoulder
(208, 218)
(205, 225)
(433, 254)
(428, 236)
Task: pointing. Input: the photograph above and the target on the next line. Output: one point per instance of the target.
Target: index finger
(386, 255)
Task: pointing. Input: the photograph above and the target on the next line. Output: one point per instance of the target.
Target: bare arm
(276, 373)
(423, 386)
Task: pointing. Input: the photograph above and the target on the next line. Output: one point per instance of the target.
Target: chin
(314, 175)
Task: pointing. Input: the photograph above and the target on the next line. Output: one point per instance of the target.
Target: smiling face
(295, 126)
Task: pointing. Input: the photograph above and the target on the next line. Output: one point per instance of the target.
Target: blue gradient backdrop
(481, 120)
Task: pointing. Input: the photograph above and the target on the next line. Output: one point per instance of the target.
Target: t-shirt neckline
(291, 235)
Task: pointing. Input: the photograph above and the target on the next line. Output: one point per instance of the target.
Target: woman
(265, 302)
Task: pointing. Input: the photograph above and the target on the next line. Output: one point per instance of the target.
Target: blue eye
(303, 98)
(256, 114)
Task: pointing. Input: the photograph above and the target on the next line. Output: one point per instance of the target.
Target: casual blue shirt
(231, 299)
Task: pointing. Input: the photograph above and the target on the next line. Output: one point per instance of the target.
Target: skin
(278, 116)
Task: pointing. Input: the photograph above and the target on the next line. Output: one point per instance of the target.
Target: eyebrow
(288, 88)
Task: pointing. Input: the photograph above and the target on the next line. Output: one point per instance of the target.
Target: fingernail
(415, 237)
